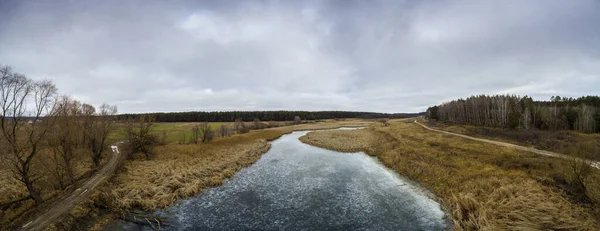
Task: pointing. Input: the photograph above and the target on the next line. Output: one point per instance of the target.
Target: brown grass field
(179, 171)
(555, 141)
(484, 187)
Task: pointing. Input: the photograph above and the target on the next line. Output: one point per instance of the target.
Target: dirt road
(592, 163)
(64, 205)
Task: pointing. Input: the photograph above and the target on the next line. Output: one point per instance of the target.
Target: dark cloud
(389, 56)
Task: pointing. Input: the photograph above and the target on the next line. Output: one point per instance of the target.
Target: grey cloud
(389, 56)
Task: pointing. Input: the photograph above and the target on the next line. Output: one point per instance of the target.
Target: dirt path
(64, 205)
(592, 163)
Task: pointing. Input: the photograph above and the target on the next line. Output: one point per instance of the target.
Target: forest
(511, 111)
(230, 116)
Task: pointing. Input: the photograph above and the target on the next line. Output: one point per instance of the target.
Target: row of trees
(36, 125)
(248, 116)
(511, 111)
(204, 132)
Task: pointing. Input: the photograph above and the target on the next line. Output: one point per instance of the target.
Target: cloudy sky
(385, 56)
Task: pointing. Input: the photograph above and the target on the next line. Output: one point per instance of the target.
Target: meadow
(483, 187)
(564, 141)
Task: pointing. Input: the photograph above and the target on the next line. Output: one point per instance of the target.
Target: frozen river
(295, 186)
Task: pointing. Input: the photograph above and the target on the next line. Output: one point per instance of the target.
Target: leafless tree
(224, 130)
(257, 124)
(240, 126)
(97, 128)
(273, 124)
(586, 121)
(297, 120)
(526, 118)
(23, 134)
(87, 113)
(206, 132)
(581, 170)
(195, 134)
(139, 137)
(163, 138)
(64, 140)
(384, 122)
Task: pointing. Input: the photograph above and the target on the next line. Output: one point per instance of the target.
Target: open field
(485, 187)
(174, 131)
(179, 171)
(566, 142)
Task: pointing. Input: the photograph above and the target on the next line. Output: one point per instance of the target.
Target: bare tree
(23, 134)
(384, 122)
(224, 130)
(585, 122)
(581, 170)
(273, 124)
(257, 124)
(195, 134)
(87, 113)
(139, 138)
(206, 132)
(97, 128)
(65, 139)
(163, 138)
(526, 118)
(240, 126)
(297, 120)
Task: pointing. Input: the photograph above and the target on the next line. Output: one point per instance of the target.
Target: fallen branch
(154, 222)
(7, 205)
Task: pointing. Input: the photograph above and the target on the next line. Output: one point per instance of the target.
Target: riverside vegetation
(483, 186)
(50, 144)
(178, 170)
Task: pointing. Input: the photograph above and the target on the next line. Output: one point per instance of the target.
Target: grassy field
(174, 131)
(565, 142)
(179, 171)
(485, 187)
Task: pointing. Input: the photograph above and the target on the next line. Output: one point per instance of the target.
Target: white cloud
(391, 56)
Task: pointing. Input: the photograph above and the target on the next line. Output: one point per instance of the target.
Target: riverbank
(485, 187)
(178, 171)
(303, 187)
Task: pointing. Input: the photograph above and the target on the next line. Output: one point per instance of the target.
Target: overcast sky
(384, 56)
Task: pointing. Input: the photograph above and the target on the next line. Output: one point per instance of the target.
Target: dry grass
(342, 140)
(484, 186)
(565, 142)
(12, 189)
(181, 170)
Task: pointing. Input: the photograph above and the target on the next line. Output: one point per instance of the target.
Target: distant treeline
(230, 116)
(511, 111)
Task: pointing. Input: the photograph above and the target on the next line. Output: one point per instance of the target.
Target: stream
(295, 186)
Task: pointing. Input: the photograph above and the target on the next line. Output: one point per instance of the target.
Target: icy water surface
(295, 186)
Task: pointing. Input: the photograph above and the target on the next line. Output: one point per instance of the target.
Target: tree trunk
(96, 157)
(33, 193)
